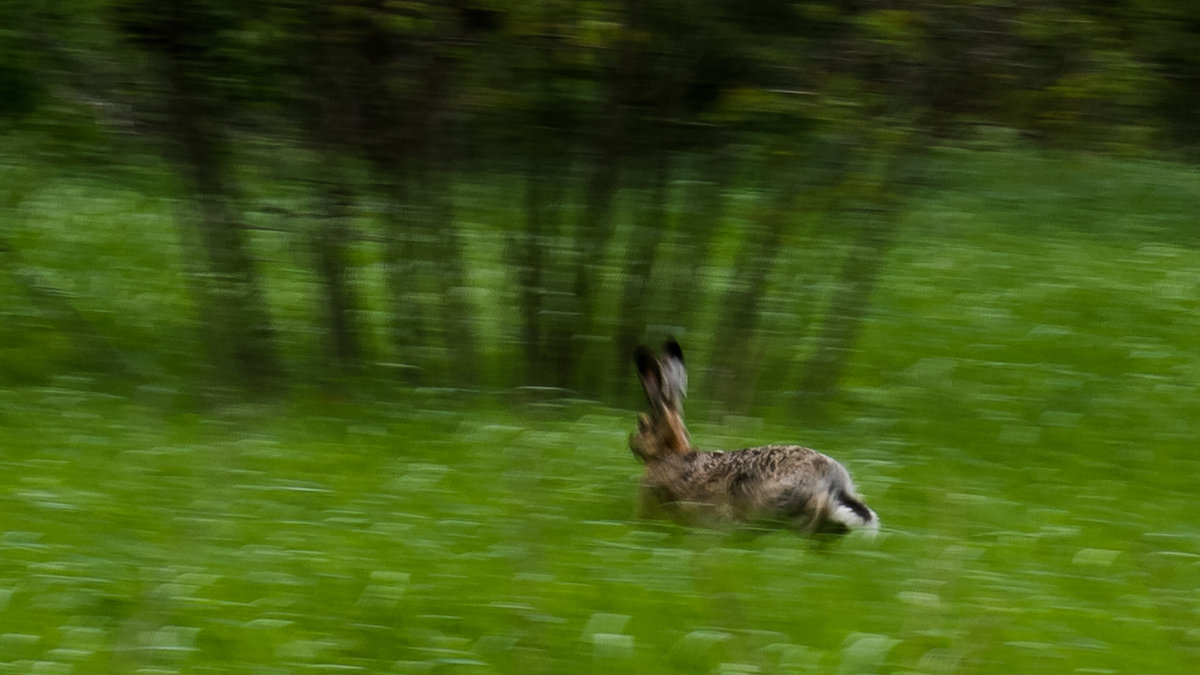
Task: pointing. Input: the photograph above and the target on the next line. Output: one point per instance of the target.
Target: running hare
(799, 487)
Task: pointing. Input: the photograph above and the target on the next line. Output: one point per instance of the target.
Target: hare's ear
(651, 374)
(672, 349)
(674, 374)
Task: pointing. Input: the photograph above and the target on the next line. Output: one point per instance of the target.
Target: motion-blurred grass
(1021, 414)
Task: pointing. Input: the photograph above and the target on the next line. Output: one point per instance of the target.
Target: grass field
(1022, 414)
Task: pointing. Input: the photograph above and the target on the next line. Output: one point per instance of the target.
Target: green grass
(1022, 413)
(410, 540)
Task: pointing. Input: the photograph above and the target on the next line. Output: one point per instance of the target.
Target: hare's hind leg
(819, 514)
(808, 513)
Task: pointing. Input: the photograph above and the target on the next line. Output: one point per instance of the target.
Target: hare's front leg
(652, 501)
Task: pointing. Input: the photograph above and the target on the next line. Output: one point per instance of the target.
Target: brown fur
(790, 484)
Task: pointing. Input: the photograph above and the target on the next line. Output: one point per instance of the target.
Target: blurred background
(479, 195)
(316, 322)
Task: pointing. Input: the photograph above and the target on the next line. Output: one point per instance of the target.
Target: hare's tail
(851, 512)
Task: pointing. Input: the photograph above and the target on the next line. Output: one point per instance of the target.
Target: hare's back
(780, 460)
(781, 465)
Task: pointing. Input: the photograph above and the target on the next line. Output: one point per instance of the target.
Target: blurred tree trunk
(739, 316)
(387, 135)
(796, 179)
(702, 209)
(658, 129)
(330, 240)
(458, 318)
(407, 318)
(232, 307)
(437, 153)
(527, 257)
(408, 130)
(537, 258)
(234, 311)
(570, 336)
(879, 196)
(648, 234)
(408, 321)
(545, 185)
(329, 103)
(874, 234)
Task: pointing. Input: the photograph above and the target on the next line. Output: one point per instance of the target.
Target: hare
(787, 484)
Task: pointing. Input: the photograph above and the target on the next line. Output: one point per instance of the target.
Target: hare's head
(661, 431)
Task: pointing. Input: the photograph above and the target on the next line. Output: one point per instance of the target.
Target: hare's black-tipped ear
(651, 374)
(674, 374)
(645, 361)
(673, 350)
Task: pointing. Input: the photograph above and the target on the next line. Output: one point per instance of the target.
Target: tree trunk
(850, 303)
(407, 320)
(702, 210)
(457, 317)
(438, 152)
(878, 219)
(177, 39)
(641, 256)
(740, 314)
(330, 104)
(544, 187)
(238, 318)
(235, 314)
(329, 247)
(574, 331)
(387, 137)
